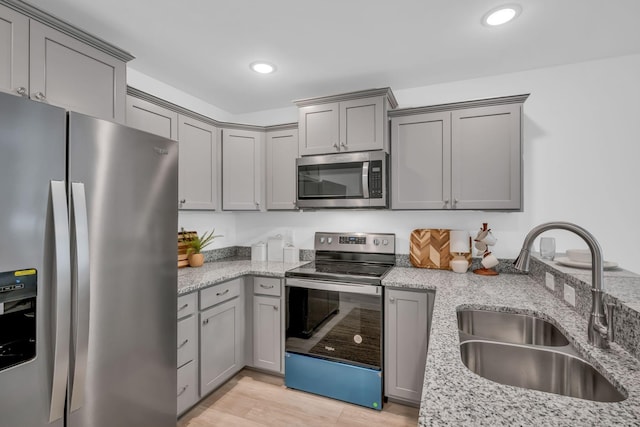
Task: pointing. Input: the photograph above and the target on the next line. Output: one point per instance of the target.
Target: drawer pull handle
(275, 307)
(266, 286)
(219, 294)
(183, 344)
(183, 307)
(181, 392)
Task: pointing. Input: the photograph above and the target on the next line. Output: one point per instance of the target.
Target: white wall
(581, 149)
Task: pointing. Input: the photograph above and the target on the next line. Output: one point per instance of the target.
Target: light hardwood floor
(254, 399)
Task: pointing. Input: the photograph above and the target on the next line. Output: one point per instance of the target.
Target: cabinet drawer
(266, 286)
(219, 293)
(187, 386)
(187, 340)
(187, 305)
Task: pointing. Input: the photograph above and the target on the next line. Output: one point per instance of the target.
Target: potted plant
(196, 245)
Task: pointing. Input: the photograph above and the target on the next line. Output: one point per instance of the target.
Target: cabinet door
(152, 118)
(221, 344)
(486, 157)
(197, 164)
(319, 129)
(282, 152)
(421, 159)
(242, 170)
(406, 338)
(14, 52)
(266, 333)
(187, 386)
(70, 74)
(362, 124)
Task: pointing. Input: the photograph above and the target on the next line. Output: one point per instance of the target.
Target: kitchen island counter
(453, 395)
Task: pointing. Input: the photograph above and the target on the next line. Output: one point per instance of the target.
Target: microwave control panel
(375, 179)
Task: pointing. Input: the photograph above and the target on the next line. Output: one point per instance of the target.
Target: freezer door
(130, 182)
(32, 154)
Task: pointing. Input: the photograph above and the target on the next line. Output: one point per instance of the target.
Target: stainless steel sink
(509, 328)
(541, 369)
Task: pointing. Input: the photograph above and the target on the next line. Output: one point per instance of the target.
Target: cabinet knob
(275, 307)
(40, 96)
(392, 300)
(455, 202)
(446, 202)
(183, 201)
(336, 146)
(342, 144)
(22, 91)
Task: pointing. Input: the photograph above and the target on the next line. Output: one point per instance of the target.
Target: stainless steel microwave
(344, 180)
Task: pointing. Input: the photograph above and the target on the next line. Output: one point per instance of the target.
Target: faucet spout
(597, 330)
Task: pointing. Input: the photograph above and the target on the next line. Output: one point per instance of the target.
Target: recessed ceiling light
(501, 15)
(262, 67)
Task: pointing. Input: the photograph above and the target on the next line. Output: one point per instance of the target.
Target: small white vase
(459, 264)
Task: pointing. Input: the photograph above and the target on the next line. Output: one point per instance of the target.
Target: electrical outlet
(569, 295)
(550, 281)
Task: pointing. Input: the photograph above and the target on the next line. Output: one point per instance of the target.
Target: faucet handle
(610, 335)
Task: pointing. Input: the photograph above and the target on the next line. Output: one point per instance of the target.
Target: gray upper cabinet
(486, 158)
(458, 156)
(242, 168)
(282, 151)
(152, 118)
(14, 52)
(421, 161)
(49, 61)
(349, 122)
(198, 168)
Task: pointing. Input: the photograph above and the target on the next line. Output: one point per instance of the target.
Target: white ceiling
(324, 47)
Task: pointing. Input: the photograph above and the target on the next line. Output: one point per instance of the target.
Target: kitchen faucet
(598, 333)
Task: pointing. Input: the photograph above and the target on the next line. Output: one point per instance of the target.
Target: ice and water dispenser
(18, 290)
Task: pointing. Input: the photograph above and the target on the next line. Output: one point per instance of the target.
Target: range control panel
(383, 243)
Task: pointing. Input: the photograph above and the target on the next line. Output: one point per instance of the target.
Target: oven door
(335, 321)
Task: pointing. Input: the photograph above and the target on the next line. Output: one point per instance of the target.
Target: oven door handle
(352, 288)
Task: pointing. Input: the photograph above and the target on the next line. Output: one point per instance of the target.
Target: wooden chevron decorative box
(429, 248)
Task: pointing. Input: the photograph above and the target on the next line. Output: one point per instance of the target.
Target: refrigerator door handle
(62, 297)
(81, 292)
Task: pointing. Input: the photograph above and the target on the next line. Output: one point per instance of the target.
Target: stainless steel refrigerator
(88, 220)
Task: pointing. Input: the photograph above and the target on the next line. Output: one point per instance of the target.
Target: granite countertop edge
(453, 395)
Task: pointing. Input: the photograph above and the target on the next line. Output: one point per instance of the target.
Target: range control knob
(376, 242)
(329, 240)
(321, 240)
(385, 242)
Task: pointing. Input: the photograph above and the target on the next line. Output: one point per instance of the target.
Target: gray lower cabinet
(187, 349)
(465, 158)
(406, 331)
(151, 118)
(282, 152)
(242, 169)
(267, 324)
(222, 332)
(198, 164)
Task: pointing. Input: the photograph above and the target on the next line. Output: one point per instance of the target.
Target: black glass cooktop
(342, 271)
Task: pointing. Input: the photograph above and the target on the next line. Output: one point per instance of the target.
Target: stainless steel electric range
(334, 320)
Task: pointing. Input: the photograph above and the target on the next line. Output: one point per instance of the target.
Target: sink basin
(509, 328)
(541, 369)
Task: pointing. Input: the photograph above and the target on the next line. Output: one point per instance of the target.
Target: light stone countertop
(453, 395)
(211, 273)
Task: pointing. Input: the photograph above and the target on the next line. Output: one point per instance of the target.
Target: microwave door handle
(365, 180)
